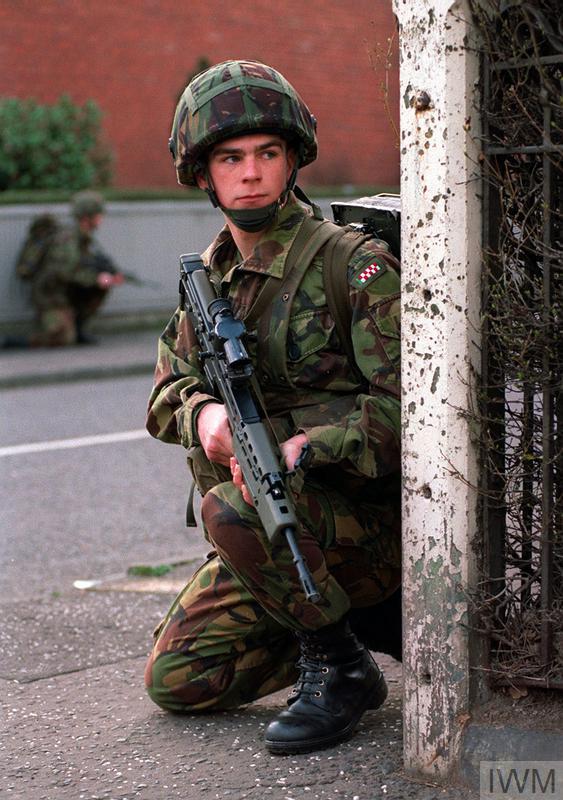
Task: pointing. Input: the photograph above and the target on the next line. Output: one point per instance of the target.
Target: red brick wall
(133, 58)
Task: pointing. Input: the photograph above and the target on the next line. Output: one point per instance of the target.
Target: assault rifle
(229, 372)
(98, 261)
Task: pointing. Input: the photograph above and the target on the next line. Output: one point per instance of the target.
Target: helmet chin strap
(252, 219)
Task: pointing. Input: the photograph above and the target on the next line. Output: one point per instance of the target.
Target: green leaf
(145, 570)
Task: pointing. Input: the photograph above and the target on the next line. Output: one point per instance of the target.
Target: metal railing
(521, 606)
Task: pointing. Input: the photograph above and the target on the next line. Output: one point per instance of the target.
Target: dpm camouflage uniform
(64, 291)
(227, 638)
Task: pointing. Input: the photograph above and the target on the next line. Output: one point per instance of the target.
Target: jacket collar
(270, 252)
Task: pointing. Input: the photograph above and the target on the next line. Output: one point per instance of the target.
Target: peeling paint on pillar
(441, 256)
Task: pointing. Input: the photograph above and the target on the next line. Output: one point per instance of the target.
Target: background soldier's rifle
(98, 261)
(230, 374)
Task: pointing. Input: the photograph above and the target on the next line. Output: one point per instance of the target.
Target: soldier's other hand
(105, 280)
(292, 448)
(238, 480)
(215, 434)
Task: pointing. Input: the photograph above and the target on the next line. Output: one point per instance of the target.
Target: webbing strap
(300, 194)
(304, 239)
(336, 258)
(273, 323)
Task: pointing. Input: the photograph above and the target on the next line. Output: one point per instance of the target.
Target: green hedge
(54, 146)
(19, 196)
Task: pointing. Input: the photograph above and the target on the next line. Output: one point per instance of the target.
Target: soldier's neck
(245, 240)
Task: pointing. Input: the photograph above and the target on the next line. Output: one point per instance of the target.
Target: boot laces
(313, 669)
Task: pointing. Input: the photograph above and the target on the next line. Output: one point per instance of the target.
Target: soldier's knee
(62, 338)
(227, 517)
(175, 683)
(153, 684)
(57, 328)
(156, 683)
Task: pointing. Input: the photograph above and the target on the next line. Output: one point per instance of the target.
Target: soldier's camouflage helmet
(231, 99)
(87, 204)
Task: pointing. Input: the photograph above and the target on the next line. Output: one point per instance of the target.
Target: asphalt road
(95, 506)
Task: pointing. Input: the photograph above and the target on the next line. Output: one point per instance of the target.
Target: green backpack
(39, 238)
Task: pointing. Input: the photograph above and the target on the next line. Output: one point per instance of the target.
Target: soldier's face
(249, 171)
(90, 223)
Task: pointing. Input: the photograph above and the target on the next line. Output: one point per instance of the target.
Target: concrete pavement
(76, 723)
(130, 352)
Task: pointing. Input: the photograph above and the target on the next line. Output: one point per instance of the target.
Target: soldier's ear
(201, 181)
(291, 160)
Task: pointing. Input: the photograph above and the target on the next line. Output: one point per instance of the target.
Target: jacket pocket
(386, 316)
(309, 331)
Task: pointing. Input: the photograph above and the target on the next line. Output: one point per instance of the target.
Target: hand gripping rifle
(98, 261)
(229, 371)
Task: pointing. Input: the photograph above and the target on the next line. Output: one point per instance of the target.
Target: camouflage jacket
(62, 269)
(352, 421)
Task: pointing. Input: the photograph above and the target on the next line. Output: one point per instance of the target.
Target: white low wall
(146, 238)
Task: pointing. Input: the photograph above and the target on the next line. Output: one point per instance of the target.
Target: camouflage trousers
(58, 327)
(227, 639)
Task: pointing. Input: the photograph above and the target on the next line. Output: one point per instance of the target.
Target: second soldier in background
(69, 276)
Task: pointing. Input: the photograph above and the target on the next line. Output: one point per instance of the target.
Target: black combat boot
(380, 627)
(13, 342)
(82, 337)
(339, 680)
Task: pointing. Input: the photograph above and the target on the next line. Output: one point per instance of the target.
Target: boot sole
(377, 699)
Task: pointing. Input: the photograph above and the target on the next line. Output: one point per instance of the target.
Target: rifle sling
(191, 521)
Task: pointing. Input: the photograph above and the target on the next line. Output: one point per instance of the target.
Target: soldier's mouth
(251, 199)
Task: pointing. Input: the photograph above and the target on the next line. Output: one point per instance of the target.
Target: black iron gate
(521, 606)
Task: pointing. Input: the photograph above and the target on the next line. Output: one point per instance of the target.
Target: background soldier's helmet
(87, 204)
(231, 99)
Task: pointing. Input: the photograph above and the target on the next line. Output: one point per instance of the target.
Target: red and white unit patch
(368, 273)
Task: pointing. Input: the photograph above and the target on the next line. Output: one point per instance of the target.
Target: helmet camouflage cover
(87, 204)
(231, 99)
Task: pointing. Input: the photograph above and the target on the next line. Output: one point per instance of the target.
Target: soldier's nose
(251, 169)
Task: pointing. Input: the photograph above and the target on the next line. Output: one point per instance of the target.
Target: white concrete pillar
(441, 227)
